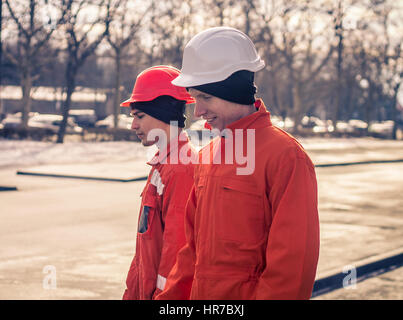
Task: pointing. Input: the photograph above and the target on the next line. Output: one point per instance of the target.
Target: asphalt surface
(74, 239)
(85, 229)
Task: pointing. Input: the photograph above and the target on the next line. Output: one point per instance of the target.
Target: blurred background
(71, 170)
(333, 67)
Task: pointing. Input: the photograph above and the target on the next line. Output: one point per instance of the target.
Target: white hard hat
(216, 53)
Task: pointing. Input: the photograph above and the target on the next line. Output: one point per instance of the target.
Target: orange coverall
(250, 236)
(161, 223)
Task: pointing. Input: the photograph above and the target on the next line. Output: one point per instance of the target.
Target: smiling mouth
(209, 120)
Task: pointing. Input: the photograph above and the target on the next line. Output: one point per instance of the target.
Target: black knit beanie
(164, 108)
(239, 87)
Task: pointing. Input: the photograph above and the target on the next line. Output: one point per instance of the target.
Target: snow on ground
(18, 153)
(331, 144)
(21, 153)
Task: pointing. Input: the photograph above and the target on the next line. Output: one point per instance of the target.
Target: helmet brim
(126, 103)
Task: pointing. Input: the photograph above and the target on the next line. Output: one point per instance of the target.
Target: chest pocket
(241, 214)
(147, 212)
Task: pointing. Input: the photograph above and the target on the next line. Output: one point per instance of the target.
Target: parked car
(344, 127)
(52, 123)
(124, 122)
(317, 125)
(310, 122)
(286, 124)
(399, 133)
(85, 118)
(13, 120)
(382, 129)
(324, 126)
(359, 124)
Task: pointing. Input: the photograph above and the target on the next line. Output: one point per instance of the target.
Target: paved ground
(360, 213)
(388, 286)
(85, 231)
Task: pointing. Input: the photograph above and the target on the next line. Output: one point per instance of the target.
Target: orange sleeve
(179, 282)
(293, 243)
(176, 194)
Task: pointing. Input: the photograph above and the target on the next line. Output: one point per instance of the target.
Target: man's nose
(135, 124)
(199, 110)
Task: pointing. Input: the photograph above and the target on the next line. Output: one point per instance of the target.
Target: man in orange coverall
(157, 108)
(251, 234)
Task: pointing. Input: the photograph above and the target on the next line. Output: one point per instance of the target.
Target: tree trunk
(1, 42)
(339, 34)
(298, 112)
(395, 111)
(349, 89)
(71, 85)
(339, 89)
(369, 105)
(116, 99)
(26, 86)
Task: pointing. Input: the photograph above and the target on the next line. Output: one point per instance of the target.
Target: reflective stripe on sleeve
(161, 282)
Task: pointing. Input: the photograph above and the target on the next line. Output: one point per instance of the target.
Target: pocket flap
(149, 199)
(240, 186)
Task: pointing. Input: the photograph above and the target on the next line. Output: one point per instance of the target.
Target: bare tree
(392, 58)
(338, 28)
(274, 81)
(32, 34)
(379, 59)
(338, 11)
(124, 28)
(218, 12)
(300, 54)
(1, 41)
(81, 43)
(171, 26)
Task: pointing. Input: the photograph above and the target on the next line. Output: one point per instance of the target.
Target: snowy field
(17, 153)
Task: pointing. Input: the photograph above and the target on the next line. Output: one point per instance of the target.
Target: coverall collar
(258, 119)
(160, 156)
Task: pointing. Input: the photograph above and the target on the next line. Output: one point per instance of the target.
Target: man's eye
(136, 115)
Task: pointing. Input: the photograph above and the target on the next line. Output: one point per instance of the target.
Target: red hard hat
(154, 82)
